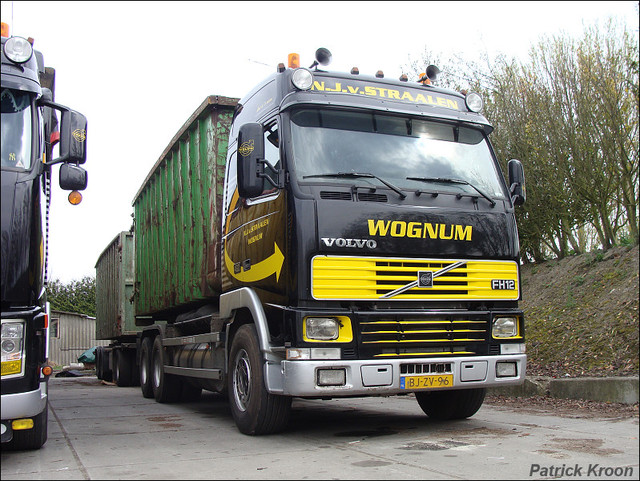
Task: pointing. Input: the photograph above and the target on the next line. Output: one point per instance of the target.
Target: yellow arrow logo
(259, 271)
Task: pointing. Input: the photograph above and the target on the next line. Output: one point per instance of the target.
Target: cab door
(255, 228)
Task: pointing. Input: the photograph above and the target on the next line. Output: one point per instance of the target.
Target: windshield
(16, 129)
(412, 154)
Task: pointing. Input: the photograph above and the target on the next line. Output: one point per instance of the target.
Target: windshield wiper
(359, 175)
(453, 181)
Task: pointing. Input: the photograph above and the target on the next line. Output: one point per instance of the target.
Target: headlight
(321, 328)
(18, 49)
(302, 79)
(11, 346)
(474, 102)
(504, 327)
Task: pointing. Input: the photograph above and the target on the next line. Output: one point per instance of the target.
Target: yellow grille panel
(366, 278)
(440, 335)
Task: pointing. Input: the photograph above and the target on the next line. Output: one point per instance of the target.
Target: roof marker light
(294, 60)
(424, 80)
(355, 71)
(379, 74)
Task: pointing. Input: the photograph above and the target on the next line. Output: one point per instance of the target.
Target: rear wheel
(445, 405)
(146, 383)
(102, 364)
(99, 373)
(32, 438)
(123, 367)
(167, 388)
(105, 368)
(254, 409)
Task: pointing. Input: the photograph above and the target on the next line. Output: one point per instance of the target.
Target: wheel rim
(242, 380)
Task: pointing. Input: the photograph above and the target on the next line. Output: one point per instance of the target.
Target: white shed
(70, 334)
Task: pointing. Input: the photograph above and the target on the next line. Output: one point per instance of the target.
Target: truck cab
(29, 132)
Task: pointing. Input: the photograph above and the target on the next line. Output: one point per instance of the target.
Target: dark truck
(327, 235)
(29, 132)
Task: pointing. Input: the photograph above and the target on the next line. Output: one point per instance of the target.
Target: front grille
(366, 278)
(424, 335)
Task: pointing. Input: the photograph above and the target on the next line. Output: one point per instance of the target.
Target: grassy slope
(581, 314)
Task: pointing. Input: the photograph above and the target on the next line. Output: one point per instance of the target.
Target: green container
(178, 213)
(114, 289)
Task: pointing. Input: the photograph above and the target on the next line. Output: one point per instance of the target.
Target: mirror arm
(279, 184)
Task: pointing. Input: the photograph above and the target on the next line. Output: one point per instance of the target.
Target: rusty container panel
(177, 215)
(114, 289)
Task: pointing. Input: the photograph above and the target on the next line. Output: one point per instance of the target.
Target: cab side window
(271, 155)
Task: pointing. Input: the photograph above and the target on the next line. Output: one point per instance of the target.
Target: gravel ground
(565, 407)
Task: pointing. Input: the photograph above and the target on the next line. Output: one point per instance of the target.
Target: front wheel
(455, 404)
(254, 409)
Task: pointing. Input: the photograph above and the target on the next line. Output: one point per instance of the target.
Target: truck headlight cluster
(505, 327)
(12, 342)
(321, 328)
(327, 329)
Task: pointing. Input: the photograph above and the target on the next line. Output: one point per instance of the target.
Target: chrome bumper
(383, 377)
(24, 404)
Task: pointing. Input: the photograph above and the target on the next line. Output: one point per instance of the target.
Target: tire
(254, 410)
(99, 353)
(146, 383)
(167, 388)
(123, 369)
(107, 374)
(446, 405)
(32, 438)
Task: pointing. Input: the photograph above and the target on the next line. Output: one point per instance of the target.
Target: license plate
(426, 382)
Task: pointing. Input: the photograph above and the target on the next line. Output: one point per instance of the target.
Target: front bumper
(384, 377)
(24, 404)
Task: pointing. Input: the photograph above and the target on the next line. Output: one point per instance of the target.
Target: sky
(138, 70)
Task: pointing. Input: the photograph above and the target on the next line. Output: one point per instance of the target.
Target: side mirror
(250, 160)
(73, 134)
(516, 182)
(72, 177)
